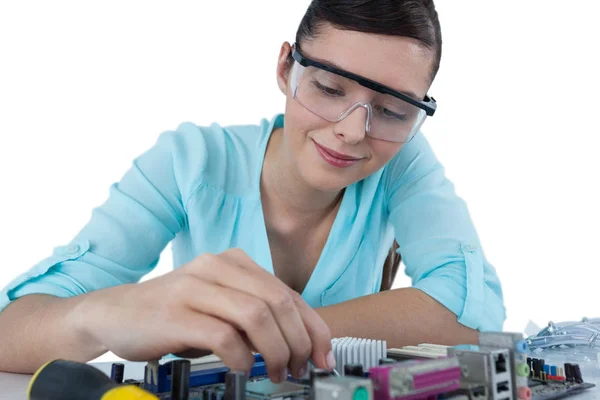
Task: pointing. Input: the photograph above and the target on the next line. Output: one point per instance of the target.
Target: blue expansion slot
(157, 378)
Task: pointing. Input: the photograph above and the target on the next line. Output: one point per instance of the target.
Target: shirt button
(72, 248)
(470, 248)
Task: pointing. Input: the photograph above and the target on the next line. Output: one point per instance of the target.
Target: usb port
(502, 387)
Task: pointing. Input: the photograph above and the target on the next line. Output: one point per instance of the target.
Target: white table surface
(14, 386)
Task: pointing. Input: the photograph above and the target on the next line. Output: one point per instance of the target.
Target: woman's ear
(284, 67)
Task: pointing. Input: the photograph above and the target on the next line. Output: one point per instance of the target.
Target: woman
(279, 230)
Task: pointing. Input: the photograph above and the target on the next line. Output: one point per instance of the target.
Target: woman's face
(309, 140)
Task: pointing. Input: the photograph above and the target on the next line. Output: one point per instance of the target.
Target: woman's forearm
(402, 317)
(36, 329)
(39, 328)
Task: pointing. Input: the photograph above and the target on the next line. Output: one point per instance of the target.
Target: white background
(87, 86)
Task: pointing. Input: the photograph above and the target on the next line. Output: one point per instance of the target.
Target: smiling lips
(334, 158)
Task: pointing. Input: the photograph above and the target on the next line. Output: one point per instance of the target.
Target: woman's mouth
(334, 158)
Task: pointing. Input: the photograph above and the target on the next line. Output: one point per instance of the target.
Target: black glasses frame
(428, 103)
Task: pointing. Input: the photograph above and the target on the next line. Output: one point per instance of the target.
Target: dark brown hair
(416, 19)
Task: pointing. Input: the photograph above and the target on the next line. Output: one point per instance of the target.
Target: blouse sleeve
(124, 237)
(438, 242)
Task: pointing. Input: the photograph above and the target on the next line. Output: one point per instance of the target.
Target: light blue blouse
(198, 187)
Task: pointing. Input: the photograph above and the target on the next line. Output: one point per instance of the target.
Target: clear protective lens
(334, 97)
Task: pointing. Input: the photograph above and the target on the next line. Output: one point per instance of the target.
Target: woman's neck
(286, 198)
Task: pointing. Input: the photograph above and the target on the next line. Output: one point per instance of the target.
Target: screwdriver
(69, 380)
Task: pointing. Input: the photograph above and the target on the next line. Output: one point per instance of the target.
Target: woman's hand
(223, 303)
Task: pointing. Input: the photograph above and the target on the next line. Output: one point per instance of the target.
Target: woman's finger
(283, 304)
(248, 314)
(198, 331)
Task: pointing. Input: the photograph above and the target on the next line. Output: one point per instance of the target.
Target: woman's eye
(391, 114)
(327, 90)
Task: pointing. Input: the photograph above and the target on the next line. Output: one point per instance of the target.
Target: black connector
(116, 372)
(478, 392)
(576, 373)
(180, 379)
(502, 387)
(500, 363)
(354, 370)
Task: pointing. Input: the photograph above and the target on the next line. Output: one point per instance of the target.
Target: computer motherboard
(498, 368)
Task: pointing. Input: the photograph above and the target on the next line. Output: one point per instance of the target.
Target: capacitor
(530, 363)
(542, 368)
(354, 370)
(568, 372)
(537, 365)
(576, 371)
(116, 372)
(180, 379)
(235, 385)
(553, 370)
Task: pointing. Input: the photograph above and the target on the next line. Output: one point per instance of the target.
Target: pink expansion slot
(415, 379)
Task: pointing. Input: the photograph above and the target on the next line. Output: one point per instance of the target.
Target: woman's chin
(325, 180)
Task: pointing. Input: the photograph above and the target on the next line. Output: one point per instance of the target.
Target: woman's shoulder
(217, 142)
(414, 160)
(223, 156)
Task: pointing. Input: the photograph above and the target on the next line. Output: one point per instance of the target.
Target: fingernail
(330, 360)
(302, 372)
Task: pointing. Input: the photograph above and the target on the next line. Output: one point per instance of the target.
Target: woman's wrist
(85, 317)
